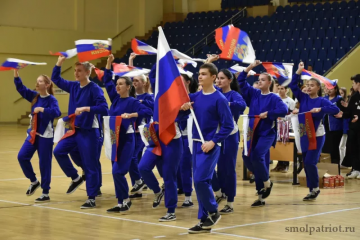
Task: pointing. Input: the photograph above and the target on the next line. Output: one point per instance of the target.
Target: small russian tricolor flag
(142, 48)
(281, 71)
(329, 84)
(88, 50)
(123, 70)
(13, 63)
(237, 69)
(68, 53)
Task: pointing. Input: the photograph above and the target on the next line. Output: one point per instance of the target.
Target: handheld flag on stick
(13, 63)
(68, 53)
(32, 128)
(306, 75)
(88, 50)
(249, 126)
(281, 71)
(304, 131)
(170, 93)
(142, 48)
(65, 128)
(112, 125)
(237, 45)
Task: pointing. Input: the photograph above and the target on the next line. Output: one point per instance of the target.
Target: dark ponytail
(193, 86)
(234, 85)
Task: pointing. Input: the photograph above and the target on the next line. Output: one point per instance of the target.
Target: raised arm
(131, 59)
(109, 84)
(56, 76)
(53, 111)
(247, 91)
(294, 83)
(24, 91)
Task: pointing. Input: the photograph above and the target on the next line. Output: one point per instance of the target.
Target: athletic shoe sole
(167, 220)
(33, 191)
(87, 207)
(198, 232)
(42, 201)
(187, 206)
(209, 227)
(226, 213)
(75, 188)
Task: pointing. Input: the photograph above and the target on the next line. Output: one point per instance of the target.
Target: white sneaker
(354, 174)
(358, 177)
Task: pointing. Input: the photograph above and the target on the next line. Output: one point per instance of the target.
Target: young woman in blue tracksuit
(227, 161)
(184, 179)
(147, 100)
(269, 107)
(167, 164)
(87, 102)
(333, 127)
(125, 105)
(319, 107)
(45, 106)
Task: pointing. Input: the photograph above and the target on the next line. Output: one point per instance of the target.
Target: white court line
(163, 225)
(118, 218)
(159, 236)
(287, 219)
(16, 179)
(239, 236)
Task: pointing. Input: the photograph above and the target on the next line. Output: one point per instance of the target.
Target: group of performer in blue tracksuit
(184, 162)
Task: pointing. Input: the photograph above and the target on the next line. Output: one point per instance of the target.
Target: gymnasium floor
(62, 218)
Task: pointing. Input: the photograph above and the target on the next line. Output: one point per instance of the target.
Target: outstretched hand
(300, 68)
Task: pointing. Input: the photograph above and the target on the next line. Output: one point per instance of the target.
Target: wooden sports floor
(285, 215)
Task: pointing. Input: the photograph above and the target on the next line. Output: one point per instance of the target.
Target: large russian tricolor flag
(304, 131)
(170, 93)
(13, 63)
(88, 50)
(249, 126)
(237, 45)
(123, 70)
(281, 71)
(330, 84)
(68, 53)
(112, 126)
(142, 48)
